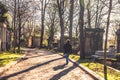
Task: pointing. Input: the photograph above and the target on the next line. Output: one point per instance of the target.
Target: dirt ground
(44, 65)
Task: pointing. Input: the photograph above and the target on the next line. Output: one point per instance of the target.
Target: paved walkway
(44, 65)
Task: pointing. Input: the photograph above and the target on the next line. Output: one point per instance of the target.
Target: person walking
(67, 50)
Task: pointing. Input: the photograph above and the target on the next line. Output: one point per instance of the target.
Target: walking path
(45, 65)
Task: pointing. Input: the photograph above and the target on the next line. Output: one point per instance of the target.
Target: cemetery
(62, 39)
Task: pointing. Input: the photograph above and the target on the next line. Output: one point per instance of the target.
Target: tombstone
(110, 53)
(29, 42)
(36, 42)
(93, 40)
(118, 40)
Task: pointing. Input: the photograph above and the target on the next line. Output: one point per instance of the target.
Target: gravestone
(93, 40)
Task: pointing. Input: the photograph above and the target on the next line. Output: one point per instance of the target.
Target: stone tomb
(93, 40)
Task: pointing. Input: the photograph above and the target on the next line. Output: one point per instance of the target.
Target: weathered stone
(93, 40)
(3, 36)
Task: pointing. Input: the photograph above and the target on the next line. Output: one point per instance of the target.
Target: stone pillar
(118, 40)
(3, 36)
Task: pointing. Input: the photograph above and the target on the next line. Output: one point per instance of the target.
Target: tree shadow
(28, 69)
(28, 57)
(35, 53)
(62, 73)
(38, 55)
(59, 67)
(38, 51)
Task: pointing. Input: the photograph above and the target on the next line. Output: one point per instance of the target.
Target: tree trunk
(106, 38)
(81, 29)
(96, 21)
(71, 18)
(14, 43)
(42, 30)
(50, 39)
(19, 28)
(43, 5)
(52, 30)
(89, 14)
(61, 12)
(19, 37)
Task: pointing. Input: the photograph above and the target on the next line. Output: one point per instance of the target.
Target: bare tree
(60, 4)
(89, 13)
(106, 38)
(14, 25)
(19, 26)
(97, 9)
(43, 8)
(51, 25)
(21, 13)
(71, 19)
(81, 29)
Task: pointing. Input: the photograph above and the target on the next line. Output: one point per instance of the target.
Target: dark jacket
(67, 48)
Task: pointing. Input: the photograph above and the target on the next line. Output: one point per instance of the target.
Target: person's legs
(67, 56)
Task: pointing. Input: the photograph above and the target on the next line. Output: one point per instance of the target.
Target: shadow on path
(59, 67)
(38, 51)
(27, 57)
(35, 53)
(23, 71)
(62, 73)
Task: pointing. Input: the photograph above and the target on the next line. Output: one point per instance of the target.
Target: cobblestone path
(44, 65)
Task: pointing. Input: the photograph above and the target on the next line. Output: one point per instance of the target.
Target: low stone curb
(5, 68)
(113, 69)
(90, 72)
